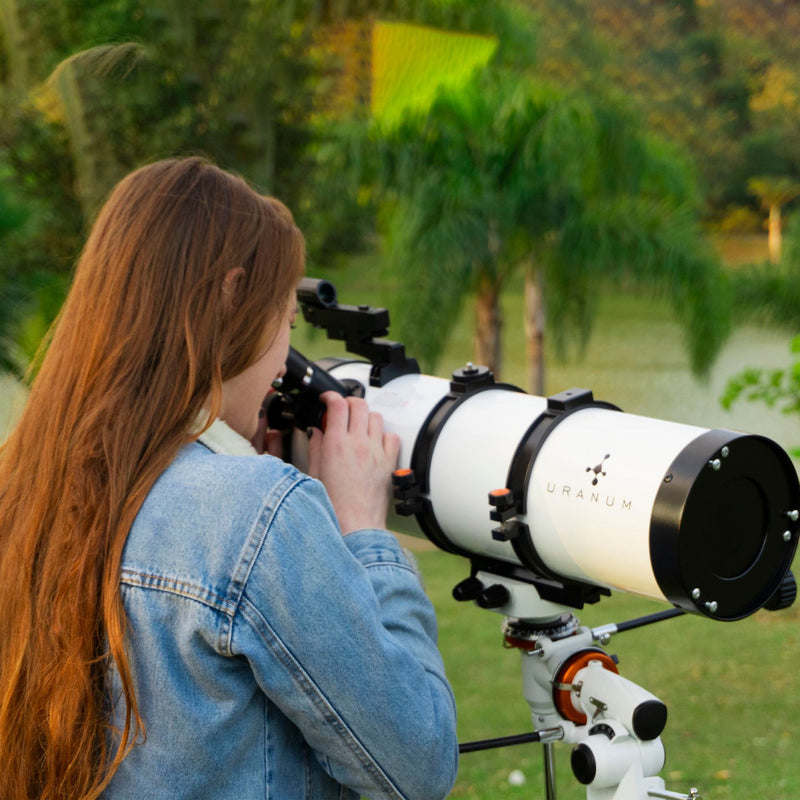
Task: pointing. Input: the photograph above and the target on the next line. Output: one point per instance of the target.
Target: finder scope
(569, 493)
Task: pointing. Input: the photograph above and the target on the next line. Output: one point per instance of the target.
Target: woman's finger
(337, 413)
(359, 415)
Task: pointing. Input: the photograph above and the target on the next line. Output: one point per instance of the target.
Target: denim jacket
(272, 657)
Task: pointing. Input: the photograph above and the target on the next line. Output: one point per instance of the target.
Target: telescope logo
(598, 470)
(592, 497)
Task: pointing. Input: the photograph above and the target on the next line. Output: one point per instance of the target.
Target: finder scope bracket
(359, 327)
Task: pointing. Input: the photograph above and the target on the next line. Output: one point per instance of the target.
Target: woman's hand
(354, 459)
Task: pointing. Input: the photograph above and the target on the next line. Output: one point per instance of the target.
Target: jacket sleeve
(342, 638)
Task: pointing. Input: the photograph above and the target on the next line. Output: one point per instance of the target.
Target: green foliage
(773, 190)
(775, 388)
(239, 81)
(28, 309)
(770, 293)
(767, 294)
(92, 90)
(452, 182)
(650, 245)
(29, 299)
(338, 209)
(11, 215)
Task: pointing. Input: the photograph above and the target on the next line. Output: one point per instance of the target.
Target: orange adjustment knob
(407, 491)
(504, 509)
(562, 697)
(403, 477)
(501, 498)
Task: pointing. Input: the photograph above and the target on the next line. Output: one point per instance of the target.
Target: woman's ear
(230, 285)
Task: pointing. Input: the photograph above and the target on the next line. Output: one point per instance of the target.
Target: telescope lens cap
(721, 539)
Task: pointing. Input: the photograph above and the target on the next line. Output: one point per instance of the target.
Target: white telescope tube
(703, 519)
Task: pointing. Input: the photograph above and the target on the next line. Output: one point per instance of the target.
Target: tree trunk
(774, 233)
(17, 47)
(534, 329)
(487, 325)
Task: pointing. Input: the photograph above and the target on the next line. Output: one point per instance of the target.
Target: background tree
(773, 194)
(505, 174)
(720, 78)
(231, 80)
(768, 294)
(243, 83)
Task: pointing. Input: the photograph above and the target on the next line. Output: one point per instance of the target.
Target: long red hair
(143, 343)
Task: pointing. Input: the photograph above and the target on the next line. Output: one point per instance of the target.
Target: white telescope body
(702, 519)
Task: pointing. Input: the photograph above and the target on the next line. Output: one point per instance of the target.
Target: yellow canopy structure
(410, 63)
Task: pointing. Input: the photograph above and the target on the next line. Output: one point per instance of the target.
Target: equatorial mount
(576, 695)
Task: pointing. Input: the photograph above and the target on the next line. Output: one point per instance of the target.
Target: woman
(180, 617)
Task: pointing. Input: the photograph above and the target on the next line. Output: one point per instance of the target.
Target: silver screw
(725, 451)
(715, 464)
(695, 594)
(787, 536)
(712, 606)
(793, 515)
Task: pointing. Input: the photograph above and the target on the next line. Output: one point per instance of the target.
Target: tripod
(576, 695)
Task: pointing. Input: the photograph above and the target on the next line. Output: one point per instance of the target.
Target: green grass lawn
(731, 690)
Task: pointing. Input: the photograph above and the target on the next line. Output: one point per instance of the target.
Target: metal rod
(606, 631)
(549, 771)
(665, 795)
(544, 735)
(503, 741)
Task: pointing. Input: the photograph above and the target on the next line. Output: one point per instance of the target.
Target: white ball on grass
(516, 777)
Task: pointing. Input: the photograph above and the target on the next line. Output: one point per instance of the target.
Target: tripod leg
(549, 771)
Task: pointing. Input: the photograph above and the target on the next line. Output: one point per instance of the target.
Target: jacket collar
(221, 438)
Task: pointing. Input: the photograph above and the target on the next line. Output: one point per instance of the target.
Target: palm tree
(774, 193)
(66, 96)
(504, 175)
